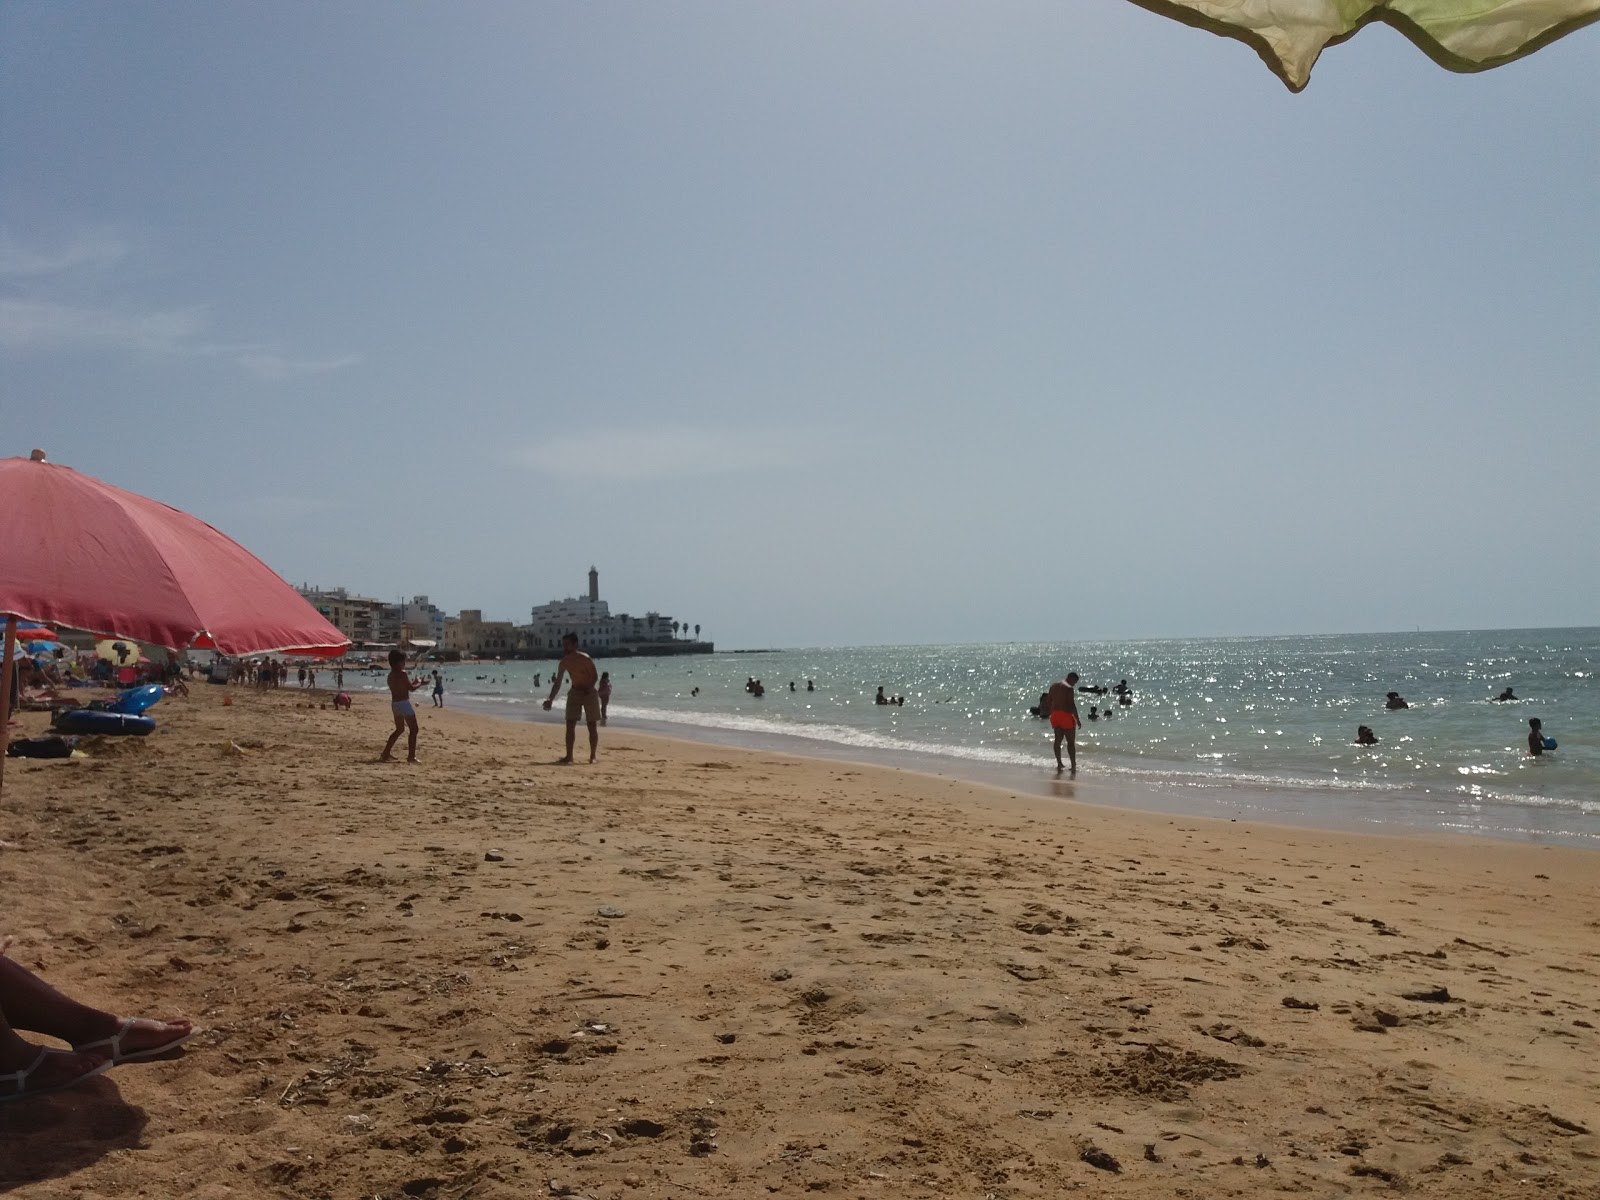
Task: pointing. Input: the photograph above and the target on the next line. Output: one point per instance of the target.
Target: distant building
(589, 618)
(422, 623)
(470, 635)
(359, 618)
(598, 630)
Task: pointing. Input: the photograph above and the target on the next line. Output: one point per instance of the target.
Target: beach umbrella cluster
(86, 555)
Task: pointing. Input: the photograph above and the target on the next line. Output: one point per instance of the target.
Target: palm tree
(697, 633)
(674, 629)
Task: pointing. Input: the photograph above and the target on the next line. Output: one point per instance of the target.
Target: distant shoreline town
(425, 629)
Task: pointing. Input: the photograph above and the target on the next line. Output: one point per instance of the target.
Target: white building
(590, 618)
(423, 622)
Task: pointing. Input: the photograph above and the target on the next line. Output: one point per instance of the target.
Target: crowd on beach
(42, 680)
(47, 679)
(589, 696)
(99, 1040)
(269, 672)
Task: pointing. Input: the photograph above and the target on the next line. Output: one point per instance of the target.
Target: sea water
(1260, 726)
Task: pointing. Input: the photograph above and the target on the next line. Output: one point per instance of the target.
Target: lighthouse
(594, 584)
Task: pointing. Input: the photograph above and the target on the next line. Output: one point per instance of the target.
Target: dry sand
(689, 971)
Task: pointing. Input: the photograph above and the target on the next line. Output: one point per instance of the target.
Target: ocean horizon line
(1149, 639)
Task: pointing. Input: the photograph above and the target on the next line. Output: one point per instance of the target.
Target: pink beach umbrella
(80, 553)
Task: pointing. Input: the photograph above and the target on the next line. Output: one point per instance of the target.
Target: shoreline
(1287, 805)
(729, 973)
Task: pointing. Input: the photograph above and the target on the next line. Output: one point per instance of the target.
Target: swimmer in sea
(1365, 736)
(1504, 696)
(1535, 737)
(1394, 701)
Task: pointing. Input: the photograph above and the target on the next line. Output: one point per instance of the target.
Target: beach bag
(40, 747)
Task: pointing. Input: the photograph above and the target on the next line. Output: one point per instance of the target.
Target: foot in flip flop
(50, 1071)
(139, 1038)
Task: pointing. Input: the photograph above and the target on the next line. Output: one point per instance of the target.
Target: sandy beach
(695, 971)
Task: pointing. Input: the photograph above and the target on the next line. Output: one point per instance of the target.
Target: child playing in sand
(401, 686)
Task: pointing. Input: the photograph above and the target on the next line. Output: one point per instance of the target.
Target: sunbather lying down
(99, 1040)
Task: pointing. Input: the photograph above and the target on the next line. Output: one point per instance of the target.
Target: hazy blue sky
(818, 323)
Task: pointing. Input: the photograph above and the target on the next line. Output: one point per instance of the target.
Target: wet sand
(697, 971)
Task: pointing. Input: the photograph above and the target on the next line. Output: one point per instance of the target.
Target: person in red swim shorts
(1064, 718)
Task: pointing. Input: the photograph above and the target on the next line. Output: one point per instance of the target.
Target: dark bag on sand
(40, 747)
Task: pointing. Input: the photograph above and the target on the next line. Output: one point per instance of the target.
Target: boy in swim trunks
(401, 686)
(1064, 718)
(583, 697)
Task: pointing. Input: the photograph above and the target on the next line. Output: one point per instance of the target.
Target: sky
(818, 324)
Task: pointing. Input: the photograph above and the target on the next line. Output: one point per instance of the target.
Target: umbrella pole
(5, 694)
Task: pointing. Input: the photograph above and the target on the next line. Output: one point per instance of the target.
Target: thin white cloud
(271, 365)
(44, 325)
(28, 324)
(34, 323)
(280, 507)
(668, 453)
(89, 248)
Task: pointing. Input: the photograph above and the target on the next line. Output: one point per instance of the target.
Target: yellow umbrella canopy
(1462, 35)
(118, 650)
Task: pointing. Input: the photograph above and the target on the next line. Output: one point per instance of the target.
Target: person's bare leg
(594, 740)
(1060, 766)
(572, 734)
(1072, 749)
(411, 739)
(28, 1002)
(59, 1068)
(388, 747)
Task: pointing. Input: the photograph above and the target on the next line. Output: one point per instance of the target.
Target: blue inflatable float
(134, 701)
(88, 720)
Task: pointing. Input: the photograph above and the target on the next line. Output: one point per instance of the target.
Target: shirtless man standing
(1064, 718)
(583, 697)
